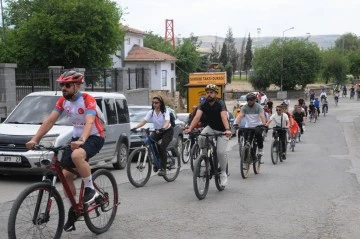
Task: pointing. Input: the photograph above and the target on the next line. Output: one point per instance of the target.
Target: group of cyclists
(211, 115)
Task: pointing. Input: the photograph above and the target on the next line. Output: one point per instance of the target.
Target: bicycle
(247, 152)
(206, 167)
(313, 116)
(145, 158)
(276, 146)
(39, 209)
(191, 149)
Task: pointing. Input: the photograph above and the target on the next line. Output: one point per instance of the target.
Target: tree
(334, 66)
(158, 43)
(241, 55)
(347, 42)
(229, 71)
(214, 55)
(231, 49)
(354, 63)
(248, 56)
(223, 59)
(302, 62)
(69, 33)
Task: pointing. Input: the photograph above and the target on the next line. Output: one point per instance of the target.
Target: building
(134, 55)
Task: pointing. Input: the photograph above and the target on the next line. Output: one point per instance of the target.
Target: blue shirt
(317, 103)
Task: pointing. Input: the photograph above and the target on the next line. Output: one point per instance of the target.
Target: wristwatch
(228, 129)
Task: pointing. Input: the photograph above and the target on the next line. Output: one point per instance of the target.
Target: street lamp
(282, 57)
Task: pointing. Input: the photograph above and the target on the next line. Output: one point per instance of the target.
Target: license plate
(10, 159)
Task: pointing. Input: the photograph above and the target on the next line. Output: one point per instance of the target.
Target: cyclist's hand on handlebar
(227, 133)
(133, 130)
(187, 131)
(30, 145)
(236, 126)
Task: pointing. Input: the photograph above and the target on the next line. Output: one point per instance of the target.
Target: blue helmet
(202, 99)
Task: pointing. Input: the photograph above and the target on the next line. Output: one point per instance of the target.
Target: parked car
(24, 121)
(242, 99)
(138, 113)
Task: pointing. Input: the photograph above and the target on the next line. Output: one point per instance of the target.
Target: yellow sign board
(204, 78)
(194, 95)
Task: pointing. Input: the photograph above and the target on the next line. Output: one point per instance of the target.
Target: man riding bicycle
(281, 120)
(325, 106)
(254, 114)
(217, 122)
(87, 139)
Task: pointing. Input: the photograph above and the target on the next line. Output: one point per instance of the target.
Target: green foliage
(334, 66)
(354, 63)
(70, 33)
(204, 63)
(248, 55)
(215, 53)
(301, 59)
(229, 72)
(347, 43)
(223, 58)
(158, 43)
(231, 50)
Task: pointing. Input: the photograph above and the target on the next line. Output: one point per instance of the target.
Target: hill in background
(323, 41)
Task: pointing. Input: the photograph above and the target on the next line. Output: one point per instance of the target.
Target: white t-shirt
(277, 119)
(158, 119)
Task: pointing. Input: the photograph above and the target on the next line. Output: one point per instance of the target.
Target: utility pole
(2, 18)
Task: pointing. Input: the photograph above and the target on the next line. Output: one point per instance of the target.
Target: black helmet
(251, 96)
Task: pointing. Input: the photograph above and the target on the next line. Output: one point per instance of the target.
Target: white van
(24, 121)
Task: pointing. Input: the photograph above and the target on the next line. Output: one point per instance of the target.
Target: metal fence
(32, 81)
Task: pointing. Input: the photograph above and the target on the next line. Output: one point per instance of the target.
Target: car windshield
(137, 117)
(134, 110)
(34, 109)
(242, 98)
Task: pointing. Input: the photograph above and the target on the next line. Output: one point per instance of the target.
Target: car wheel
(121, 156)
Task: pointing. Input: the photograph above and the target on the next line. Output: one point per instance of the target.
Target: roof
(138, 53)
(92, 93)
(133, 30)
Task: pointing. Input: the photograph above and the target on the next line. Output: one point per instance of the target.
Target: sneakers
(162, 172)
(289, 140)
(155, 168)
(70, 223)
(223, 179)
(89, 195)
(283, 156)
(261, 152)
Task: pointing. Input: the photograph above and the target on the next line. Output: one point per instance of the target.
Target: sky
(271, 17)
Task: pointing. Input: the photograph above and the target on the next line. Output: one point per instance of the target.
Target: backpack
(172, 119)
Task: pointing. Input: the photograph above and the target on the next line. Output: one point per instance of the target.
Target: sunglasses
(278, 110)
(67, 85)
(156, 102)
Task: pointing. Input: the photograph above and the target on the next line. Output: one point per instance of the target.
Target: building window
(127, 41)
(164, 77)
(172, 66)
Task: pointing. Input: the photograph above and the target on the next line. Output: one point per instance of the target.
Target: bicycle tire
(245, 162)
(280, 151)
(138, 172)
(217, 179)
(185, 154)
(201, 177)
(257, 164)
(14, 230)
(299, 137)
(292, 144)
(173, 166)
(195, 152)
(100, 219)
(274, 152)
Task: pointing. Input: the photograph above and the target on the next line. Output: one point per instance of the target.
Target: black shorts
(91, 146)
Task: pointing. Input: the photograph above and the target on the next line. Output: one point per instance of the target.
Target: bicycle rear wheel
(257, 164)
(173, 165)
(245, 161)
(185, 155)
(28, 215)
(103, 212)
(275, 152)
(194, 153)
(201, 177)
(138, 167)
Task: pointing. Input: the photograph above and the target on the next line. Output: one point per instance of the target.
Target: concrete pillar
(54, 72)
(7, 88)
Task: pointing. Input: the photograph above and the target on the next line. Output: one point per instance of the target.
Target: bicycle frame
(211, 153)
(149, 144)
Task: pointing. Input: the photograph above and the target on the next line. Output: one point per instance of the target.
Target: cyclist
(217, 119)
(87, 139)
(312, 109)
(281, 120)
(325, 106)
(254, 114)
(344, 91)
(299, 117)
(352, 92)
(317, 105)
(336, 96)
(160, 117)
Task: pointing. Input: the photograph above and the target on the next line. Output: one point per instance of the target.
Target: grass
(237, 77)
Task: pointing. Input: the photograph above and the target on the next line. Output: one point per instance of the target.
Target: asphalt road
(313, 194)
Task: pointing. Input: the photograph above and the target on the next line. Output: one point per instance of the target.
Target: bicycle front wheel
(185, 156)
(201, 177)
(99, 217)
(218, 181)
(173, 165)
(245, 161)
(194, 153)
(138, 167)
(37, 214)
(274, 152)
